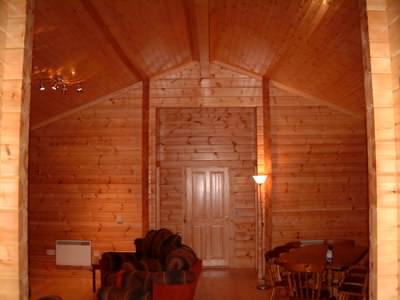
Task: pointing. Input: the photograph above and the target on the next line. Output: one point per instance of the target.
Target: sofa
(162, 268)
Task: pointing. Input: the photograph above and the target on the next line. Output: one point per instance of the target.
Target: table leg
(330, 284)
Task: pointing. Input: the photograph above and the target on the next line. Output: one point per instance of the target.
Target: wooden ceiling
(313, 46)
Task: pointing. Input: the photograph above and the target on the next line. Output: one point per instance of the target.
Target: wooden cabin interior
(117, 117)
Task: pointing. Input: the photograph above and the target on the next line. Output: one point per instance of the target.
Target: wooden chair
(305, 280)
(338, 276)
(273, 276)
(354, 285)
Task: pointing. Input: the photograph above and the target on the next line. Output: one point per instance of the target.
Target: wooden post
(267, 164)
(16, 20)
(382, 155)
(264, 166)
(145, 155)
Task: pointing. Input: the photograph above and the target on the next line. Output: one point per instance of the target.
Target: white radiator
(73, 253)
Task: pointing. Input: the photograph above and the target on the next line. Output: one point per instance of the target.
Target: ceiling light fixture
(79, 88)
(60, 84)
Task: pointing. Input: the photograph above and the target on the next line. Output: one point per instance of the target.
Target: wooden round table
(344, 256)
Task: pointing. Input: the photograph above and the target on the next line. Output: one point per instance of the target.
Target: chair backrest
(305, 280)
(272, 270)
(292, 245)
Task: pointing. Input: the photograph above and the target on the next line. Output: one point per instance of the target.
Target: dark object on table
(329, 254)
(50, 298)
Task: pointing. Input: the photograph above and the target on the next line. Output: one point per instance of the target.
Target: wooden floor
(215, 284)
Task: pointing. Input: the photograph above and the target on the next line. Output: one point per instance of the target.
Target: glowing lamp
(260, 179)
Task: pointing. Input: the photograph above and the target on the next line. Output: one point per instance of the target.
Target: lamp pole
(260, 232)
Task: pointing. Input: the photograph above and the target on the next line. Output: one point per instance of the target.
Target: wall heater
(73, 253)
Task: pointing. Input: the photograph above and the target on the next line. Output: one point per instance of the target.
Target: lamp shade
(260, 179)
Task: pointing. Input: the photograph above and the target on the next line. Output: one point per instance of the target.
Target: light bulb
(79, 88)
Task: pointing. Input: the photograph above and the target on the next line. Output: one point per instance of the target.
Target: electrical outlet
(119, 219)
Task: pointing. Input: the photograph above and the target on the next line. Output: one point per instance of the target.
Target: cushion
(181, 259)
(148, 242)
(171, 243)
(148, 264)
(159, 238)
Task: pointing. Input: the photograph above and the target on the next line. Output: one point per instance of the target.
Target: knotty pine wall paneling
(319, 171)
(393, 15)
(85, 170)
(209, 137)
(318, 155)
(89, 161)
(185, 87)
(206, 121)
(16, 18)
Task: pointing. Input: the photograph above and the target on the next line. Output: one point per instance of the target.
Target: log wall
(393, 13)
(85, 172)
(207, 121)
(86, 168)
(319, 168)
(209, 137)
(383, 157)
(319, 154)
(15, 69)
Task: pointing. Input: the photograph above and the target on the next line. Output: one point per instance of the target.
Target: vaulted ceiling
(313, 46)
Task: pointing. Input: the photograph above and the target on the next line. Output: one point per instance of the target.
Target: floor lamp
(260, 232)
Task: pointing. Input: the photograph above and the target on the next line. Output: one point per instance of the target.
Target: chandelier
(59, 84)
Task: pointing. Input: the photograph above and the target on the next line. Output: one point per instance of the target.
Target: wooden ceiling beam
(238, 69)
(197, 15)
(191, 26)
(175, 69)
(134, 69)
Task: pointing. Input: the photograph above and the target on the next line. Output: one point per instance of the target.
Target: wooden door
(207, 214)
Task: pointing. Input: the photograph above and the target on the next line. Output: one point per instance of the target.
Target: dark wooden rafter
(267, 162)
(134, 69)
(197, 15)
(145, 155)
(191, 26)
